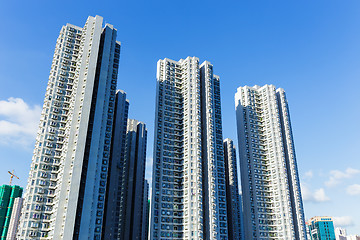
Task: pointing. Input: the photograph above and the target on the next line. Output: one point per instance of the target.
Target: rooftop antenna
(12, 175)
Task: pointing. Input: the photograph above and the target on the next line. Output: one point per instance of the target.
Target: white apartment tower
(146, 212)
(14, 220)
(188, 187)
(130, 225)
(340, 234)
(234, 205)
(65, 193)
(272, 202)
(115, 202)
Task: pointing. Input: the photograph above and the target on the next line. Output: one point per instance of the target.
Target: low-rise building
(321, 228)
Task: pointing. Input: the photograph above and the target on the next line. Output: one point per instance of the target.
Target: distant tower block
(321, 228)
(15, 218)
(232, 191)
(8, 194)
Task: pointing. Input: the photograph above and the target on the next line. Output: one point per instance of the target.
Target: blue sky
(309, 48)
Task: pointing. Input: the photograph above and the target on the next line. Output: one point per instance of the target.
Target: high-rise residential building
(232, 191)
(188, 186)
(272, 203)
(8, 194)
(241, 209)
(134, 175)
(321, 228)
(340, 233)
(307, 231)
(146, 211)
(353, 237)
(114, 206)
(66, 189)
(15, 218)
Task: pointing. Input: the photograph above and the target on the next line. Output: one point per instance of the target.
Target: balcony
(49, 145)
(32, 234)
(48, 152)
(61, 133)
(39, 199)
(37, 208)
(41, 191)
(42, 183)
(50, 137)
(52, 185)
(43, 174)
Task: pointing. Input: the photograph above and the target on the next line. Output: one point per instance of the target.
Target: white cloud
(344, 221)
(316, 196)
(18, 122)
(353, 189)
(320, 196)
(309, 174)
(306, 193)
(337, 176)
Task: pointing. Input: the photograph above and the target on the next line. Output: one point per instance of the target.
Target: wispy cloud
(353, 189)
(316, 196)
(344, 221)
(336, 176)
(309, 175)
(18, 122)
